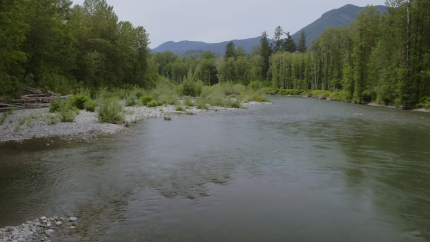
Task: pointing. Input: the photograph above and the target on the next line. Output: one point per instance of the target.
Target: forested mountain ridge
(333, 18)
(183, 46)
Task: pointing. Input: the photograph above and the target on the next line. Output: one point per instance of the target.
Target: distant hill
(183, 46)
(333, 18)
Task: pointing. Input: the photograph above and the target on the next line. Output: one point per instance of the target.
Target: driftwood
(34, 100)
(32, 90)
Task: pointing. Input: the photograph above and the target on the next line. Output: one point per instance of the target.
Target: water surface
(298, 170)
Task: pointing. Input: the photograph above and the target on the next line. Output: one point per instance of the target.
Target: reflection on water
(298, 170)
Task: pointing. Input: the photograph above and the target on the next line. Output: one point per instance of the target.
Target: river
(298, 170)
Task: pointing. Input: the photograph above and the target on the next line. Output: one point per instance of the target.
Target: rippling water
(298, 170)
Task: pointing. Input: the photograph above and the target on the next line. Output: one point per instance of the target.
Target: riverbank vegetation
(85, 50)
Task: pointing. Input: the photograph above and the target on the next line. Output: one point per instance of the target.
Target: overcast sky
(215, 21)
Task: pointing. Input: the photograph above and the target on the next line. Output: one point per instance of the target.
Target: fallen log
(32, 90)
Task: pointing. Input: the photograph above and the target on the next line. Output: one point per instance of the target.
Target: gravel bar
(37, 123)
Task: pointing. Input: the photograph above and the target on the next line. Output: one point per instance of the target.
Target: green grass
(179, 108)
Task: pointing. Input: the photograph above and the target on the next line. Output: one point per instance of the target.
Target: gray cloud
(220, 20)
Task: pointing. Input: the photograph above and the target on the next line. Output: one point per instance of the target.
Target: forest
(382, 58)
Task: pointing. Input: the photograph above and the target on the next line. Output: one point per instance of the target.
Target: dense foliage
(384, 58)
(53, 45)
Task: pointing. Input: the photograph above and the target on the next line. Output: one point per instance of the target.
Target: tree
(301, 45)
(229, 51)
(277, 41)
(289, 44)
(265, 52)
(240, 51)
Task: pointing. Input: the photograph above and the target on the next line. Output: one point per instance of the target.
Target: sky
(215, 21)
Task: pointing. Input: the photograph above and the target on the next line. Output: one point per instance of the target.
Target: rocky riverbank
(41, 229)
(39, 123)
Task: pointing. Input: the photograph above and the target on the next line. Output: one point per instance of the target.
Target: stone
(49, 232)
(43, 218)
(72, 227)
(58, 223)
(48, 224)
(73, 219)
(9, 229)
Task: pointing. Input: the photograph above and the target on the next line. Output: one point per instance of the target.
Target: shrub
(202, 104)
(55, 105)
(255, 85)
(66, 110)
(152, 104)
(179, 108)
(424, 102)
(110, 111)
(189, 102)
(90, 106)
(165, 92)
(79, 101)
(190, 87)
(131, 100)
(145, 100)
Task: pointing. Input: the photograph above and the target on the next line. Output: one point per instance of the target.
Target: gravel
(40, 229)
(36, 123)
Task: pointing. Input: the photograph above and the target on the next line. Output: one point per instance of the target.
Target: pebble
(73, 219)
(37, 229)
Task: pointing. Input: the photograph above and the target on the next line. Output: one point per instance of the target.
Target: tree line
(378, 57)
(383, 58)
(53, 44)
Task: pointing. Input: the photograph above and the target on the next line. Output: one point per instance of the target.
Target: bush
(255, 85)
(55, 105)
(179, 108)
(79, 101)
(165, 92)
(131, 100)
(190, 87)
(424, 103)
(145, 100)
(152, 104)
(90, 106)
(110, 111)
(189, 102)
(66, 111)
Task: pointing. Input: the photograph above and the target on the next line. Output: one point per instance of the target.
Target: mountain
(182, 46)
(333, 18)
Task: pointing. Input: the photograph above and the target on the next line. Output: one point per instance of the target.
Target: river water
(298, 170)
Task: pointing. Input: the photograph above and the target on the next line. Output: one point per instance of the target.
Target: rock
(49, 232)
(72, 227)
(73, 219)
(48, 224)
(43, 218)
(9, 229)
(58, 223)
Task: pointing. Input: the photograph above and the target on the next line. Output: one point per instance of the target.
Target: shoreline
(27, 124)
(424, 110)
(40, 229)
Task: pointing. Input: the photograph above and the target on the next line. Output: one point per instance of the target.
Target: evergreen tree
(265, 52)
(230, 51)
(289, 44)
(301, 45)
